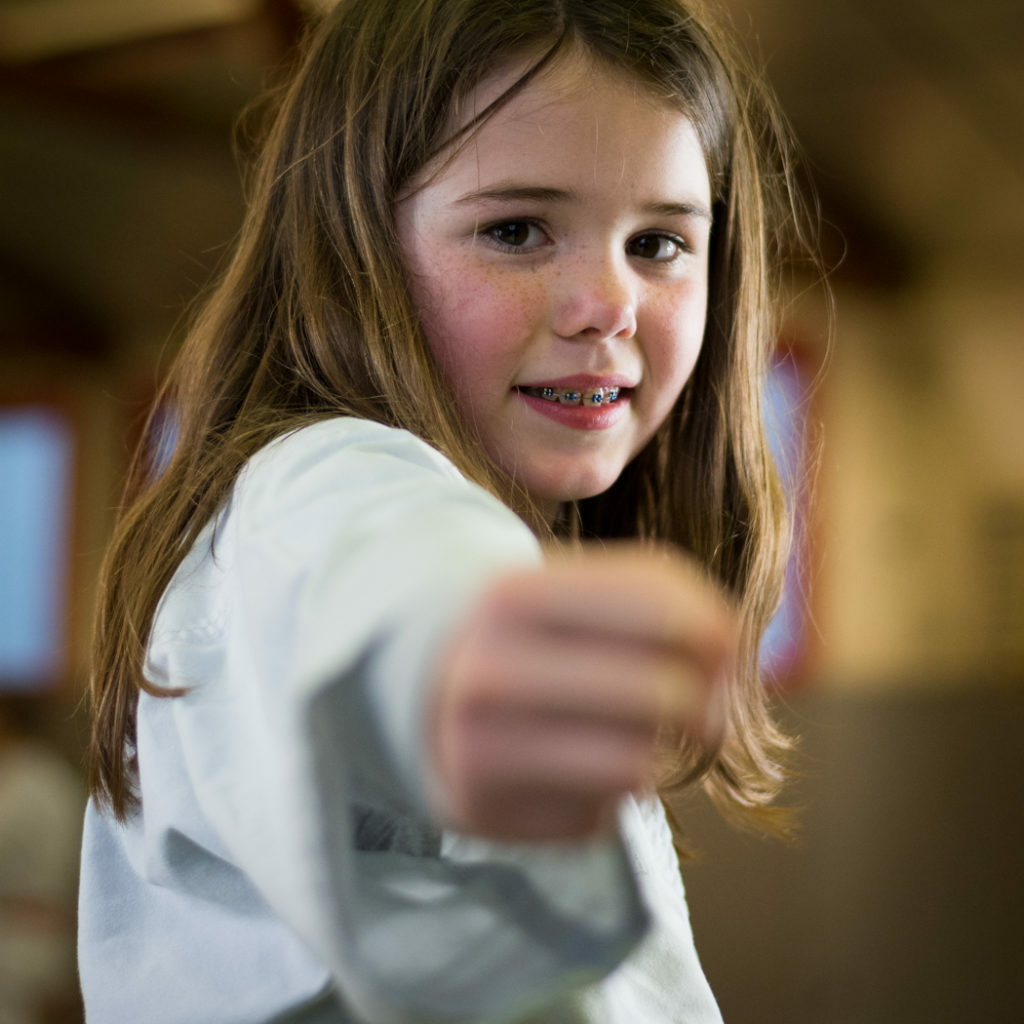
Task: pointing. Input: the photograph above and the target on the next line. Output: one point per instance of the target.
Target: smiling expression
(559, 266)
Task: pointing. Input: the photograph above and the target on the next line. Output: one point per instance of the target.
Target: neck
(550, 509)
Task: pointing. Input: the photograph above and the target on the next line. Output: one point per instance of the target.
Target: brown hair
(313, 319)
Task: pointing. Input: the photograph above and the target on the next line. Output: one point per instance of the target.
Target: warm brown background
(903, 903)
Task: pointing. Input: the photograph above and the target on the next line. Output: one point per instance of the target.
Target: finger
(637, 597)
(538, 778)
(589, 677)
(568, 754)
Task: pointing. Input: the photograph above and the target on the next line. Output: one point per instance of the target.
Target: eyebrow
(541, 194)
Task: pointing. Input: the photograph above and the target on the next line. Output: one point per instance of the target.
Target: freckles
(677, 327)
(497, 310)
(679, 330)
(479, 322)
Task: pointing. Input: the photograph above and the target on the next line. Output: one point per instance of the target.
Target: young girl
(377, 724)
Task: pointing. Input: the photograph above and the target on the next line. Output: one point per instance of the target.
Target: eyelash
(681, 247)
(491, 233)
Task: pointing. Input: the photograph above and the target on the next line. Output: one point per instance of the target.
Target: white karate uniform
(283, 865)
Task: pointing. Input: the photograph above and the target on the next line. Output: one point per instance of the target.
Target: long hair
(312, 318)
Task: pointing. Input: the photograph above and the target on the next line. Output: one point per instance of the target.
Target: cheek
(476, 325)
(679, 330)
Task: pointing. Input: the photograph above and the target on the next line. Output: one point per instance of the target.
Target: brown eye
(655, 247)
(515, 233)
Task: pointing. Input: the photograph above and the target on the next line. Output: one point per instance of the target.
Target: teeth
(570, 396)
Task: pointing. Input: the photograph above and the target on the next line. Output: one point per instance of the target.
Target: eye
(663, 248)
(516, 235)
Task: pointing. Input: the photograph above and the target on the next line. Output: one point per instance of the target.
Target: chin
(582, 485)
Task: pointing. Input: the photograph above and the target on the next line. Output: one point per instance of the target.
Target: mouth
(575, 396)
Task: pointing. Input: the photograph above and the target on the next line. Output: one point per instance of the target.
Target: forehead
(571, 75)
(578, 116)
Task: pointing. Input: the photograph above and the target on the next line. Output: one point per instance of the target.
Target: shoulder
(343, 436)
(343, 460)
(339, 447)
(357, 477)
(318, 497)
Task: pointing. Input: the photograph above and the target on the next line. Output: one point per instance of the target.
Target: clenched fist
(553, 692)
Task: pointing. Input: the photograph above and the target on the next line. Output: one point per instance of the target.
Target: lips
(582, 402)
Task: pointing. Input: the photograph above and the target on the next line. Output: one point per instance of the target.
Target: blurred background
(899, 662)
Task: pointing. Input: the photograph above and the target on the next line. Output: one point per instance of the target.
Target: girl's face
(559, 263)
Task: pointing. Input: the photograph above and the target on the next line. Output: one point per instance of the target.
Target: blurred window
(37, 446)
(785, 404)
(164, 438)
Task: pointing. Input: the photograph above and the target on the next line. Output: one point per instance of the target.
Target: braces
(567, 396)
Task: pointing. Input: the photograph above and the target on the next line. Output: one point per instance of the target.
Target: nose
(597, 300)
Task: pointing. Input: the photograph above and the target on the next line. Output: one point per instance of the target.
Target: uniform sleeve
(346, 555)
